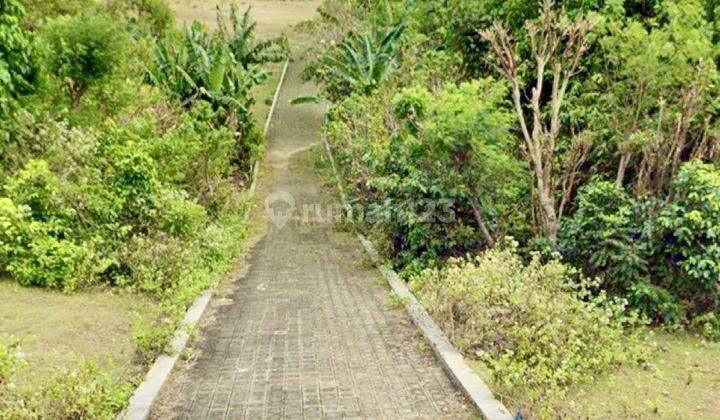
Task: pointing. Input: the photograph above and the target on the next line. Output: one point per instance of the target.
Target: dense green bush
(441, 183)
(49, 262)
(19, 62)
(83, 49)
(537, 327)
(688, 238)
(603, 238)
(129, 183)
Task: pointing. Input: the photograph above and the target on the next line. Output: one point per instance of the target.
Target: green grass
(58, 331)
(682, 381)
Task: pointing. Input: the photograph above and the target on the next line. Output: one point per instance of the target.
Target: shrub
(153, 264)
(12, 233)
(445, 183)
(708, 325)
(656, 303)
(19, 64)
(12, 362)
(602, 236)
(49, 262)
(83, 49)
(538, 330)
(196, 155)
(85, 393)
(688, 248)
(180, 216)
(38, 188)
(134, 179)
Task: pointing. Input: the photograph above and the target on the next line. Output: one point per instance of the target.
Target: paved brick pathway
(307, 332)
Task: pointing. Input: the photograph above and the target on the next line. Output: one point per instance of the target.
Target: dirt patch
(274, 18)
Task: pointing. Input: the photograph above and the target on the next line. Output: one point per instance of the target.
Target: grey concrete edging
(464, 378)
(144, 396)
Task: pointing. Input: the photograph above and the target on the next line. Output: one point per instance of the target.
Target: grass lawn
(59, 330)
(682, 381)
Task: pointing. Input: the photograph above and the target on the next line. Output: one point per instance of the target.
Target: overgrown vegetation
(536, 326)
(125, 146)
(587, 129)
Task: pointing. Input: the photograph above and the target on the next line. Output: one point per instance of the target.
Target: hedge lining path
(307, 332)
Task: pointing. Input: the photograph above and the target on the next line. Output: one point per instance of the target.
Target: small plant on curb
(396, 302)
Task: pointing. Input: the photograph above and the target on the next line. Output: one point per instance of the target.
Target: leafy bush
(83, 49)
(538, 329)
(153, 15)
(85, 393)
(708, 325)
(135, 180)
(444, 183)
(12, 235)
(688, 242)
(38, 188)
(196, 156)
(49, 262)
(12, 362)
(19, 64)
(180, 216)
(603, 238)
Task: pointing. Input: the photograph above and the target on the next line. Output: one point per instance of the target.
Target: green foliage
(180, 217)
(441, 185)
(83, 50)
(12, 362)
(538, 329)
(196, 155)
(602, 236)
(38, 188)
(135, 180)
(360, 63)
(688, 243)
(19, 64)
(219, 67)
(49, 262)
(708, 325)
(85, 393)
(243, 43)
(12, 236)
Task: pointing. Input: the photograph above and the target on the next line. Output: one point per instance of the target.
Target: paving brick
(307, 332)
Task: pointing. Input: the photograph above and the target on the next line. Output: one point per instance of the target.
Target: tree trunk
(547, 206)
(622, 167)
(481, 223)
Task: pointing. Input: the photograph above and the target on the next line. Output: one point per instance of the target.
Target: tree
(84, 48)
(557, 44)
(658, 81)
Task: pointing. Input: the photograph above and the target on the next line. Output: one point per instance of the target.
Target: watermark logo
(280, 206)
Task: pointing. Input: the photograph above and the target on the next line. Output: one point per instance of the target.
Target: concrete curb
(464, 378)
(144, 396)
